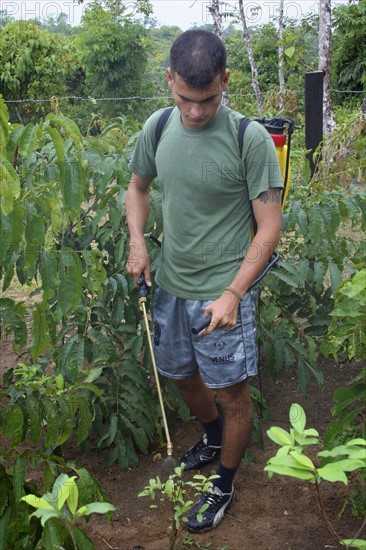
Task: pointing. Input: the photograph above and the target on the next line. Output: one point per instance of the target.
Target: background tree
(214, 9)
(34, 65)
(325, 33)
(281, 56)
(253, 65)
(349, 55)
(114, 53)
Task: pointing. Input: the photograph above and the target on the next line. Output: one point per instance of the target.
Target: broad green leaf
(67, 491)
(82, 540)
(289, 471)
(335, 276)
(354, 543)
(303, 460)
(15, 424)
(51, 535)
(85, 418)
(70, 271)
(9, 185)
(357, 441)
(73, 187)
(60, 152)
(69, 126)
(53, 421)
(279, 436)
(38, 502)
(334, 471)
(67, 420)
(27, 140)
(41, 339)
(4, 526)
(95, 508)
(297, 417)
(35, 418)
(289, 52)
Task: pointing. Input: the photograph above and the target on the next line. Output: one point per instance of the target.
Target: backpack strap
(167, 112)
(242, 127)
(161, 124)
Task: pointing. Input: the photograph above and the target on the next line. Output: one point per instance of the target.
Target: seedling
(59, 514)
(290, 461)
(176, 490)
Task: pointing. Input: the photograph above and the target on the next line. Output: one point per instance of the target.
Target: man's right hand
(139, 262)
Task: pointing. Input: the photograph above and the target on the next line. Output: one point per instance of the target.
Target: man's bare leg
(198, 398)
(238, 422)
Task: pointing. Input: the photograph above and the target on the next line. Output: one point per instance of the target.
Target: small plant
(59, 513)
(334, 463)
(176, 490)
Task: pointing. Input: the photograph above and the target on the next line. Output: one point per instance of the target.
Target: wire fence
(153, 98)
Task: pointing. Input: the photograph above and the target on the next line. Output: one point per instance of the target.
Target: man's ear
(225, 79)
(169, 77)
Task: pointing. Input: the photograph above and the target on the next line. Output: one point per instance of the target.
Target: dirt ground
(276, 514)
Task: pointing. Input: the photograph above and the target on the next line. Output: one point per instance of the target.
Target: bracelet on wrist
(235, 292)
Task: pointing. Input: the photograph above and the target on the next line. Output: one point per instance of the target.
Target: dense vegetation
(84, 365)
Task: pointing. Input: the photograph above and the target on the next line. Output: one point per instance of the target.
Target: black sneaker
(216, 503)
(200, 454)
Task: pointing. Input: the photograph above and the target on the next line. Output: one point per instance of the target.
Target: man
(208, 262)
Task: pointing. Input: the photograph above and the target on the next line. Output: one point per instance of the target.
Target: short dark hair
(198, 56)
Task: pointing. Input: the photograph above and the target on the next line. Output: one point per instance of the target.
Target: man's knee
(236, 402)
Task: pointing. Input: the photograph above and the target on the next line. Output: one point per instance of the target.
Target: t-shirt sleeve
(142, 162)
(262, 169)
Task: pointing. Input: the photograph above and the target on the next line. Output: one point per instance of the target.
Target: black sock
(225, 481)
(214, 431)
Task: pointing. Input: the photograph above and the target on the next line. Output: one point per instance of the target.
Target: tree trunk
(325, 32)
(281, 58)
(253, 66)
(214, 9)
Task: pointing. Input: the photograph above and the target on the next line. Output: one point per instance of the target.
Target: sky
(182, 13)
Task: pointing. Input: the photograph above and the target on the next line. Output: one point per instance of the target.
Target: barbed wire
(141, 98)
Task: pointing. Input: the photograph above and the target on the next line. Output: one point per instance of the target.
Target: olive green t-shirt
(206, 192)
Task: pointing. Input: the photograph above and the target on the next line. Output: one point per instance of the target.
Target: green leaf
(53, 422)
(70, 289)
(95, 508)
(67, 491)
(4, 527)
(289, 471)
(41, 339)
(15, 424)
(354, 543)
(303, 460)
(69, 126)
(85, 419)
(279, 436)
(334, 471)
(51, 535)
(28, 140)
(73, 187)
(67, 421)
(297, 417)
(35, 418)
(289, 52)
(38, 502)
(82, 540)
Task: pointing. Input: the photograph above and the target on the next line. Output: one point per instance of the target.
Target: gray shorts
(223, 358)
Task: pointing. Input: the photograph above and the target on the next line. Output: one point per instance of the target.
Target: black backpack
(167, 112)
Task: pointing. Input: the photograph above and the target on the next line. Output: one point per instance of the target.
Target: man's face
(197, 106)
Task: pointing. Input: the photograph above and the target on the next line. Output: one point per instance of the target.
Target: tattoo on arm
(272, 195)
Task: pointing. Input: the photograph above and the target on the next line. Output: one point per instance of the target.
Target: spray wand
(143, 293)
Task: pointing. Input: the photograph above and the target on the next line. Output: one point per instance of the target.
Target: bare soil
(267, 514)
